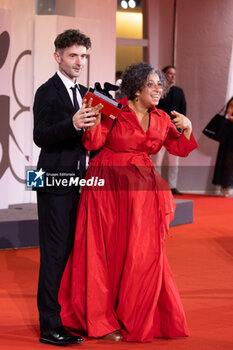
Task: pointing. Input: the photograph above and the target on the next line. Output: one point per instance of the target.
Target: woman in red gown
(117, 283)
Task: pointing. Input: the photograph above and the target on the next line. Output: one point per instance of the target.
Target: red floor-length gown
(117, 276)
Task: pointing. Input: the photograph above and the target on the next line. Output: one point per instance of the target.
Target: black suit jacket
(174, 100)
(61, 147)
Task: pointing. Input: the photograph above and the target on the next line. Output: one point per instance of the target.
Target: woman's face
(230, 109)
(151, 91)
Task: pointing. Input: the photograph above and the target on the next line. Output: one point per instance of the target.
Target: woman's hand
(87, 116)
(182, 122)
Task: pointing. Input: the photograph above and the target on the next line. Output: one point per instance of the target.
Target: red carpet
(200, 255)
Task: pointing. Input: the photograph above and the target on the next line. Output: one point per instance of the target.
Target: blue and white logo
(35, 178)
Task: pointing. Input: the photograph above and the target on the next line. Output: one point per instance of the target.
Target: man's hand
(87, 116)
(96, 110)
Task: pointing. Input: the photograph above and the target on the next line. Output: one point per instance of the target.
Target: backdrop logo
(6, 131)
(35, 178)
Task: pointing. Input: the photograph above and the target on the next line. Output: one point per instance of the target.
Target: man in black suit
(59, 117)
(173, 101)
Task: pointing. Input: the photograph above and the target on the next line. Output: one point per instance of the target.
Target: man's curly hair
(71, 37)
(135, 76)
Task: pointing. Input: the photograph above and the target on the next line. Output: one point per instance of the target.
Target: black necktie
(76, 105)
(82, 157)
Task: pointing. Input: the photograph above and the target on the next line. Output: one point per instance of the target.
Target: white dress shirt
(70, 84)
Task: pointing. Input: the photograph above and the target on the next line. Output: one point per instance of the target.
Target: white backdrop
(30, 63)
(204, 60)
(16, 75)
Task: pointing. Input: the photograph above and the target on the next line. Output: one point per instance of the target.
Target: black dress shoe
(177, 192)
(59, 336)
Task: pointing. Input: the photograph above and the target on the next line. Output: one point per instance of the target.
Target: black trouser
(57, 219)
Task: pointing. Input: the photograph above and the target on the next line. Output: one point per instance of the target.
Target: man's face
(71, 61)
(171, 76)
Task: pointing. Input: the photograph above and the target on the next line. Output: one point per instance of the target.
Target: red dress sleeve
(177, 143)
(95, 139)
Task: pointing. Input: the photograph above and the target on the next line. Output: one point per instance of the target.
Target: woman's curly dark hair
(135, 76)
